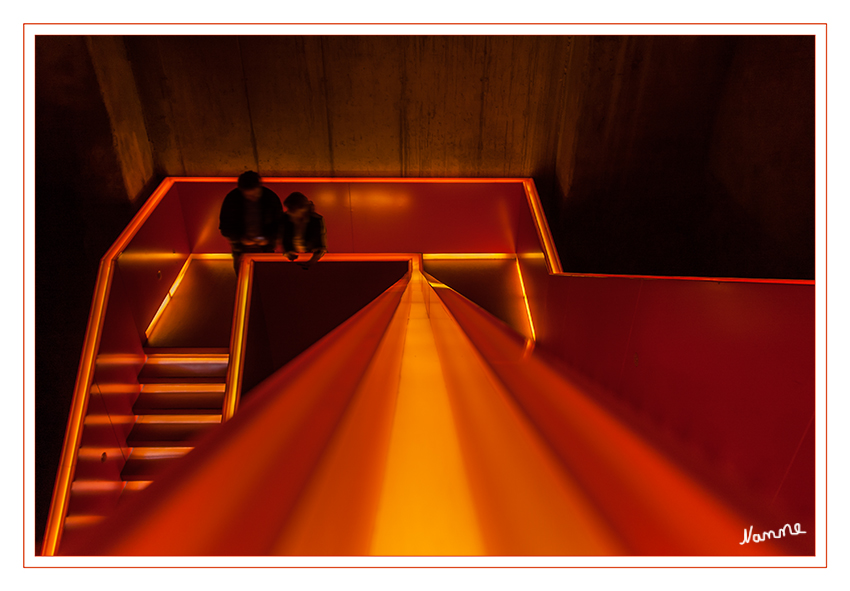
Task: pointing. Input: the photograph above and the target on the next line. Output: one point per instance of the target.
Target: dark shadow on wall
(688, 156)
(81, 207)
(695, 229)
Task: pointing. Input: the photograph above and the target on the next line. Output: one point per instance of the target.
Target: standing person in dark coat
(302, 230)
(250, 217)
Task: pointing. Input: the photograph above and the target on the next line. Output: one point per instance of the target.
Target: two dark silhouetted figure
(253, 220)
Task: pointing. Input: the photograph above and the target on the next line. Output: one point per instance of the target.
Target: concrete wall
(121, 100)
(763, 148)
(688, 156)
(362, 106)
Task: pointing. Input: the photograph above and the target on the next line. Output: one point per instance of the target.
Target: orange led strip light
(168, 296)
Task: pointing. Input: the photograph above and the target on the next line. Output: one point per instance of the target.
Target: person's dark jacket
(232, 217)
(314, 233)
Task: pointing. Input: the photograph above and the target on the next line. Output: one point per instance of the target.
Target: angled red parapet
(235, 491)
(653, 505)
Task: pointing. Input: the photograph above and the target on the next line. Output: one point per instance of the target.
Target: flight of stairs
(181, 398)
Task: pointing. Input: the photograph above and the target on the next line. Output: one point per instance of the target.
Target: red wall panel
(727, 367)
(723, 371)
(201, 205)
(592, 317)
(332, 201)
(438, 217)
(381, 216)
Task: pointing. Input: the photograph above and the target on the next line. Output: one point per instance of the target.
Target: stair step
(93, 497)
(180, 430)
(144, 468)
(73, 522)
(98, 463)
(175, 379)
(145, 462)
(149, 403)
(172, 386)
(186, 351)
(133, 488)
(163, 366)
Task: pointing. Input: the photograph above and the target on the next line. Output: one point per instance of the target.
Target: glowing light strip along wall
(313, 179)
(525, 300)
(466, 256)
(233, 387)
(543, 233)
(168, 296)
(79, 405)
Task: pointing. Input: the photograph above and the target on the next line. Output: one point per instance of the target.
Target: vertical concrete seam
(527, 167)
(402, 111)
(327, 107)
(484, 85)
(561, 115)
(167, 89)
(248, 104)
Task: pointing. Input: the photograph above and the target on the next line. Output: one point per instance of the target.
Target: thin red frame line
(24, 291)
(826, 150)
(447, 566)
(825, 297)
(430, 24)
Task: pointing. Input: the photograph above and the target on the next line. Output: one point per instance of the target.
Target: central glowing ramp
(426, 504)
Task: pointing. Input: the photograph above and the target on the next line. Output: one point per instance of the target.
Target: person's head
(249, 184)
(297, 205)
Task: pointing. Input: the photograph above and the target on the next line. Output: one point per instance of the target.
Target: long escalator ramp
(392, 480)
(426, 506)
(434, 458)
(233, 494)
(526, 502)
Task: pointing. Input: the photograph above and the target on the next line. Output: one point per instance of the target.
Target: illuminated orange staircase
(181, 398)
(182, 393)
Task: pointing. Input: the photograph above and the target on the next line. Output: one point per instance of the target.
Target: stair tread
(173, 387)
(163, 434)
(93, 502)
(166, 377)
(186, 350)
(198, 402)
(144, 469)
